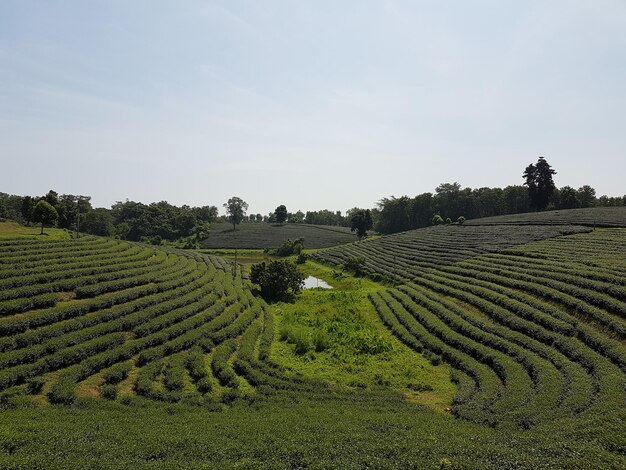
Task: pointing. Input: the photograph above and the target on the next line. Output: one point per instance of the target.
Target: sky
(311, 104)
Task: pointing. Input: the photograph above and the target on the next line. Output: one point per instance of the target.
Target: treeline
(322, 217)
(127, 220)
(451, 201)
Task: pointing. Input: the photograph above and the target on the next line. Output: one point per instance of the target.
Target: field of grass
(13, 229)
(592, 216)
(263, 235)
(485, 347)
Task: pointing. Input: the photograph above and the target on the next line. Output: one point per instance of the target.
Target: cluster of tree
(450, 201)
(127, 220)
(160, 221)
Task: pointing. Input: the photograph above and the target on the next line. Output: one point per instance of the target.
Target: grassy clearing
(335, 334)
(13, 229)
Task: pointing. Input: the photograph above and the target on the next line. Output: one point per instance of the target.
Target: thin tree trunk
(41, 229)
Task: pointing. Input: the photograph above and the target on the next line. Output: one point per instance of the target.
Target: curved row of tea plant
(405, 255)
(535, 332)
(121, 319)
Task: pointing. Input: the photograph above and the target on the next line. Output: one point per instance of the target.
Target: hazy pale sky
(314, 104)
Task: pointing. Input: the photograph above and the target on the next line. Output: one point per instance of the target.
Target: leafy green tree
(281, 214)
(438, 220)
(460, 220)
(361, 222)
(567, 198)
(28, 204)
(235, 210)
(278, 280)
(99, 221)
(296, 218)
(44, 213)
(52, 198)
(540, 183)
(586, 196)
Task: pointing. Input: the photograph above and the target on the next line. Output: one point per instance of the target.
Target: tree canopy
(278, 280)
(45, 213)
(540, 183)
(361, 222)
(236, 210)
(281, 214)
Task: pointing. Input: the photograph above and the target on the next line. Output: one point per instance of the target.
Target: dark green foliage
(278, 280)
(109, 391)
(460, 220)
(361, 222)
(117, 373)
(540, 184)
(281, 214)
(289, 247)
(34, 385)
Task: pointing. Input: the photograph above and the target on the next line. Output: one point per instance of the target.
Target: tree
(361, 222)
(567, 198)
(99, 221)
(281, 214)
(236, 210)
(586, 196)
(44, 213)
(278, 280)
(540, 184)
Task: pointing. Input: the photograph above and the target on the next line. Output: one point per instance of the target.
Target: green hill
(116, 354)
(592, 216)
(264, 235)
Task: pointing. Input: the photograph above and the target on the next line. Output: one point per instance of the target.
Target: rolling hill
(264, 235)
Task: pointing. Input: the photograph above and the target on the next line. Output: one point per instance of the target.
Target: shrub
(278, 280)
(204, 385)
(461, 220)
(320, 341)
(420, 387)
(109, 391)
(34, 385)
(437, 219)
(354, 264)
(117, 373)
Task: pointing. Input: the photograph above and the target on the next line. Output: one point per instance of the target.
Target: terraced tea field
(102, 317)
(536, 331)
(591, 216)
(264, 235)
(166, 357)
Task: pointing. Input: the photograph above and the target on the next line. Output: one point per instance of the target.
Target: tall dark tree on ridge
(361, 222)
(540, 184)
(281, 214)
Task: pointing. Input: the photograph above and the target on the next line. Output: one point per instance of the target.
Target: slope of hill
(263, 235)
(535, 330)
(532, 321)
(405, 255)
(592, 216)
(92, 312)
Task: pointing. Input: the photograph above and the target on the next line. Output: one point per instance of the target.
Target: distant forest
(160, 221)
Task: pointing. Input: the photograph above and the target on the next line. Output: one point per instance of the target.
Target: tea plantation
(120, 355)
